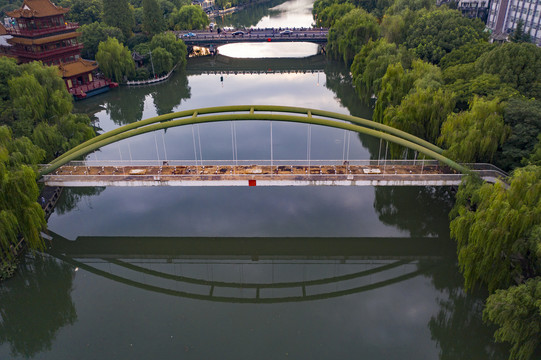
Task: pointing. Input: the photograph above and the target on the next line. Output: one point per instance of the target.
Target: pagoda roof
(77, 67)
(44, 40)
(37, 9)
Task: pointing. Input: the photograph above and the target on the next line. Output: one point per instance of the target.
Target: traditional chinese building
(39, 31)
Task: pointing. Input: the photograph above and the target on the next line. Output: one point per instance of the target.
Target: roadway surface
(206, 37)
(392, 174)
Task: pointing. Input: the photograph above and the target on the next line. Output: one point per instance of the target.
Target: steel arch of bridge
(256, 112)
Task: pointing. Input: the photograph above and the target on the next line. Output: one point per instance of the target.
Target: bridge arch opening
(261, 113)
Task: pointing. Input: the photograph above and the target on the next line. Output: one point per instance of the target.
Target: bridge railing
(201, 170)
(257, 162)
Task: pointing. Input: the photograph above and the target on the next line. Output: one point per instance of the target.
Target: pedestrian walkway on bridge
(263, 173)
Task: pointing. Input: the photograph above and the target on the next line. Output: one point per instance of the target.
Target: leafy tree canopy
(115, 60)
(163, 60)
(153, 22)
(515, 64)
(440, 31)
(320, 5)
(398, 82)
(375, 7)
(496, 229)
(517, 312)
(37, 95)
(519, 35)
(400, 6)
(466, 54)
(118, 13)
(329, 15)
(188, 17)
(524, 118)
(421, 113)
(93, 34)
(370, 65)
(174, 46)
(20, 214)
(350, 33)
(475, 135)
(83, 11)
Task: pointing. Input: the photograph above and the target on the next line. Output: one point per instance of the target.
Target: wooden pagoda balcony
(48, 53)
(80, 91)
(39, 32)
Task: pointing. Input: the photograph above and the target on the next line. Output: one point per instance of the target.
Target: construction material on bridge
(281, 173)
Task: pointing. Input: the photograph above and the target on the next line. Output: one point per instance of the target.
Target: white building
(505, 14)
(474, 8)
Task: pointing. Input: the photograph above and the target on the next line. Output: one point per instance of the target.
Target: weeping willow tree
(498, 234)
(494, 227)
(475, 135)
(20, 214)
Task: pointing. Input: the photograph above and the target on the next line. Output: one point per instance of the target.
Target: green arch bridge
(441, 171)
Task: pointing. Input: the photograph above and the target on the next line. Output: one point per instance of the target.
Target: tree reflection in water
(126, 105)
(40, 290)
(394, 205)
(71, 197)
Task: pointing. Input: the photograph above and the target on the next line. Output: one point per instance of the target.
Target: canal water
(244, 272)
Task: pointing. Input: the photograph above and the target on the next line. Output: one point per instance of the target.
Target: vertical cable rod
(156, 142)
(271, 149)
(164, 148)
(194, 148)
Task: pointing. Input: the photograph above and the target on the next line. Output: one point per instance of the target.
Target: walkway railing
(271, 172)
(151, 81)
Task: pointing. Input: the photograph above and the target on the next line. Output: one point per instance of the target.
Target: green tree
(475, 135)
(37, 95)
(20, 214)
(153, 22)
(60, 136)
(115, 60)
(524, 118)
(466, 54)
(400, 6)
(370, 65)
(495, 229)
(350, 33)
(84, 11)
(94, 33)
(167, 7)
(517, 312)
(515, 64)
(118, 13)
(398, 82)
(329, 15)
(421, 113)
(519, 35)
(440, 31)
(163, 60)
(174, 46)
(535, 157)
(188, 17)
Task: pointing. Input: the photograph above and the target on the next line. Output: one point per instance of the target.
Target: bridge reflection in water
(251, 270)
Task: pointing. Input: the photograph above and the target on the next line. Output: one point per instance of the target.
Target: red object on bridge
(251, 183)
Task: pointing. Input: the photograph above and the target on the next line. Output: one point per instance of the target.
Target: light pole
(151, 63)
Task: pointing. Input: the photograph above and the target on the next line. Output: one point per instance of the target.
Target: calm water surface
(238, 273)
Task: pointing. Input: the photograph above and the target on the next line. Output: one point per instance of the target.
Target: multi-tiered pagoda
(39, 31)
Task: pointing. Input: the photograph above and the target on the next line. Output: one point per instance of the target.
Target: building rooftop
(37, 9)
(80, 66)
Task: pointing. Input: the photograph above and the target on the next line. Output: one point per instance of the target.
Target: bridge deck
(257, 175)
(206, 38)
